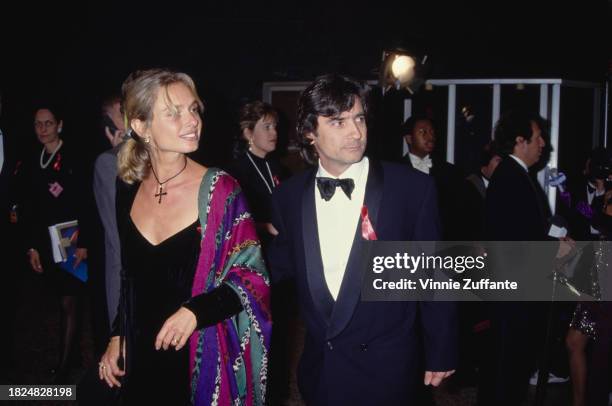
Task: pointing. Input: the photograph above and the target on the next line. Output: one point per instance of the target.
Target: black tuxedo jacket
(516, 209)
(451, 187)
(516, 206)
(361, 353)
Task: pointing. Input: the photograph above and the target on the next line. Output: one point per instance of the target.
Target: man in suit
(476, 192)
(516, 209)
(420, 135)
(105, 176)
(355, 352)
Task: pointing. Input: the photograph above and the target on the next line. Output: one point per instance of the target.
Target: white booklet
(63, 236)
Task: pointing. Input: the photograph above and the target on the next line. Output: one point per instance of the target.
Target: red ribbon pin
(367, 231)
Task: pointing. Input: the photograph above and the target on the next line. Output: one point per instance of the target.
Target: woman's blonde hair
(139, 93)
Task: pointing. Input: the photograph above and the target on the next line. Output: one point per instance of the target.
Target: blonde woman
(194, 310)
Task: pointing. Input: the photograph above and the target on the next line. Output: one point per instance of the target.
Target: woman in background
(54, 188)
(256, 172)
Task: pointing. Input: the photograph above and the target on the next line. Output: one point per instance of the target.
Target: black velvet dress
(161, 276)
(160, 279)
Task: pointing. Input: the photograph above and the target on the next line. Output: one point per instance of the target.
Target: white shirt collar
(520, 162)
(486, 181)
(418, 158)
(421, 164)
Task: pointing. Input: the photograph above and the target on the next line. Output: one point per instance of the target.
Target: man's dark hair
(514, 124)
(328, 96)
(109, 100)
(408, 126)
(600, 163)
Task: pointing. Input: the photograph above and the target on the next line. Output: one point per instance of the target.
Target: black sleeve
(215, 306)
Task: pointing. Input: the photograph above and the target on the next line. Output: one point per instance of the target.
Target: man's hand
(114, 138)
(566, 245)
(435, 378)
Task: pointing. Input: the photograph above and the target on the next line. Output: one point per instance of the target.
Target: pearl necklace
(261, 174)
(42, 155)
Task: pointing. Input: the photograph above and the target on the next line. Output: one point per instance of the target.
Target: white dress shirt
(485, 181)
(590, 197)
(337, 221)
(421, 164)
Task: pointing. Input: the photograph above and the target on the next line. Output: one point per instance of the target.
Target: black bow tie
(327, 187)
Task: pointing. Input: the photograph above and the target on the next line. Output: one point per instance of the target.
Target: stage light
(401, 70)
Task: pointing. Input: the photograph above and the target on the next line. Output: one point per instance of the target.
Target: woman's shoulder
(218, 177)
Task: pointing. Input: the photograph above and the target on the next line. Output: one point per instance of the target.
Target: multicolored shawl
(229, 361)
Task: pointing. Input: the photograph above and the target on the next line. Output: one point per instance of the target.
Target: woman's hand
(34, 257)
(176, 330)
(108, 369)
(79, 255)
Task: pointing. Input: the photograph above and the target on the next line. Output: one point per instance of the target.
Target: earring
(147, 140)
(59, 130)
(250, 141)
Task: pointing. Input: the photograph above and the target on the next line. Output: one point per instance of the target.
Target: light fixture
(401, 70)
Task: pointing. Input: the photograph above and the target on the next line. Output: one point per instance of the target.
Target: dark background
(80, 52)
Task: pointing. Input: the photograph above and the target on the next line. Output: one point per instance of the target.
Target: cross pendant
(161, 193)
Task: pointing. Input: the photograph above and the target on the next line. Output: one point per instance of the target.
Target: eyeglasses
(48, 123)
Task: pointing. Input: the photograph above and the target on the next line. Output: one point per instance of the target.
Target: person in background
(420, 135)
(112, 120)
(55, 190)
(476, 193)
(256, 171)
(11, 264)
(259, 173)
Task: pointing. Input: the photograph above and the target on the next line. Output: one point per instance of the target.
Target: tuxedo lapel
(317, 285)
(350, 290)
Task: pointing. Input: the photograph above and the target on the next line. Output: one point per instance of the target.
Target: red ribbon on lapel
(367, 231)
(57, 165)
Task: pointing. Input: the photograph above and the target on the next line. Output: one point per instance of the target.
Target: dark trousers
(509, 354)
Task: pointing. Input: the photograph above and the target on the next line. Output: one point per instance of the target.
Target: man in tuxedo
(355, 352)
(420, 135)
(516, 209)
(476, 192)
